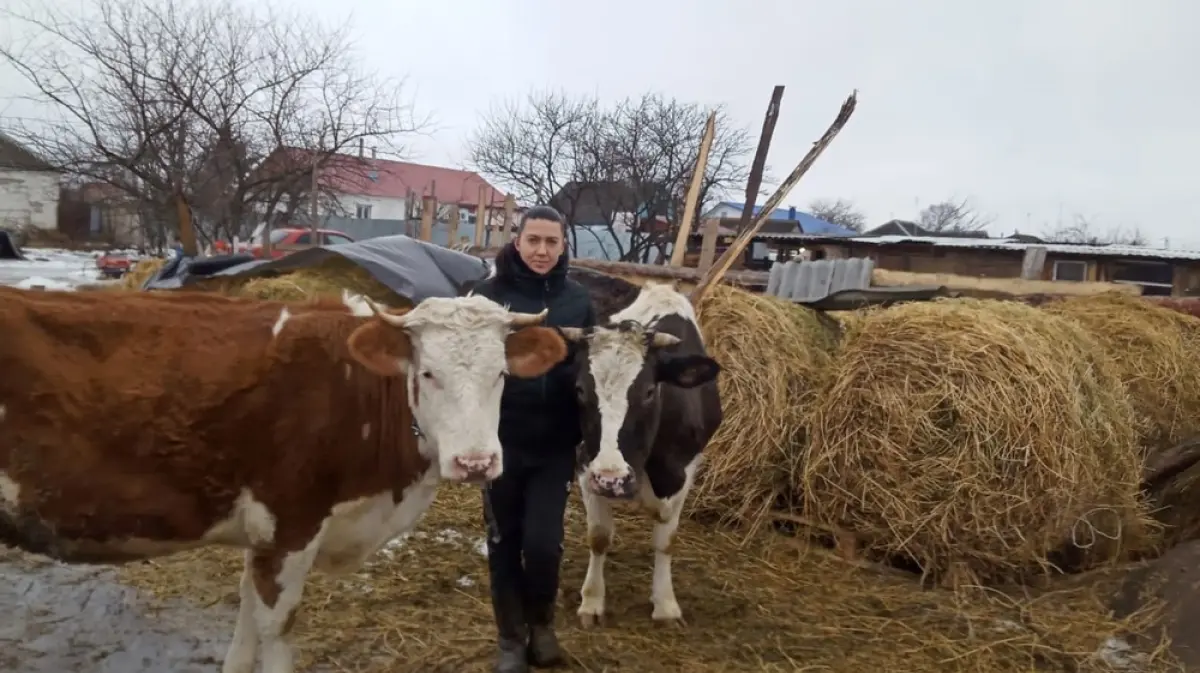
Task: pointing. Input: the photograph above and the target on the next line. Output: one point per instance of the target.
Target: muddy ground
(72, 619)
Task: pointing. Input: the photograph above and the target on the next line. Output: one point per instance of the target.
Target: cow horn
(573, 333)
(664, 340)
(527, 319)
(381, 311)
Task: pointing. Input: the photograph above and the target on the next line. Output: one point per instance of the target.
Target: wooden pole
(754, 183)
(714, 275)
(187, 233)
(452, 226)
(481, 211)
(693, 193)
(428, 208)
(510, 207)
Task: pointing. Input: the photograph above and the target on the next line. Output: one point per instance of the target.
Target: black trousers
(524, 511)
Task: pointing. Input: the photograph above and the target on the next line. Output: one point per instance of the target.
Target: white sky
(1034, 109)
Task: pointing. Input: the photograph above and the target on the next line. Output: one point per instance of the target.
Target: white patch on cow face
(615, 359)
(284, 316)
(654, 301)
(456, 379)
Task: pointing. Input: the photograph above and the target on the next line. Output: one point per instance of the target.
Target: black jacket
(540, 416)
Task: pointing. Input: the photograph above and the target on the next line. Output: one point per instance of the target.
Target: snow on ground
(52, 268)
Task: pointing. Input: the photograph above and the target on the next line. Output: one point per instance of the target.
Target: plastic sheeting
(8, 247)
(411, 268)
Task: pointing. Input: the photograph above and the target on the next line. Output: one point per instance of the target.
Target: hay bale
(326, 279)
(978, 438)
(773, 355)
(140, 272)
(1154, 351)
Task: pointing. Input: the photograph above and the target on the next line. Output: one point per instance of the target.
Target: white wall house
(28, 189)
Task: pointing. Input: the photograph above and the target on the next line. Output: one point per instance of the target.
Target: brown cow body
(134, 426)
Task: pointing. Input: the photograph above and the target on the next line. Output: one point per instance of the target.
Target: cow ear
(381, 348)
(532, 351)
(686, 371)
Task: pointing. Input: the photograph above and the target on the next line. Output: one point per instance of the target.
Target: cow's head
(620, 373)
(454, 354)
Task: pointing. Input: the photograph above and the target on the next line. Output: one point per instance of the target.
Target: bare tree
(622, 168)
(960, 216)
(841, 212)
(182, 98)
(1081, 230)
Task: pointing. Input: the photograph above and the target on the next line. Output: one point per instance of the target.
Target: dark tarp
(411, 268)
(8, 247)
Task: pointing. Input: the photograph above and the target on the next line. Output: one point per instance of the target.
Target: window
(1155, 278)
(336, 239)
(303, 239)
(277, 236)
(362, 211)
(1070, 270)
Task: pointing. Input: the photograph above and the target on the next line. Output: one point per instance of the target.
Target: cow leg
(600, 530)
(279, 578)
(243, 649)
(662, 592)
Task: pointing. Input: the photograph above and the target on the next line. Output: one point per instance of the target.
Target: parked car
(114, 264)
(291, 239)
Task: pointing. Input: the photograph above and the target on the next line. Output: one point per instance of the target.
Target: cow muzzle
(616, 483)
(474, 468)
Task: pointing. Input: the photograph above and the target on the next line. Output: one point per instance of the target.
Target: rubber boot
(544, 650)
(513, 640)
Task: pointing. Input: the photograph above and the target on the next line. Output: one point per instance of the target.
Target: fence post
(452, 226)
(510, 207)
(428, 210)
(481, 217)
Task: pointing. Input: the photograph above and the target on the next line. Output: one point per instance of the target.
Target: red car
(113, 265)
(289, 240)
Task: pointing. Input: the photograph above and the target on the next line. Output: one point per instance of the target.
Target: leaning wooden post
(708, 244)
(693, 193)
(714, 275)
(428, 210)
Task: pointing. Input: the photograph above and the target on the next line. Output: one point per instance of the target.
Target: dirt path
(69, 619)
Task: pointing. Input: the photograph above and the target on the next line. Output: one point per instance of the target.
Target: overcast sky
(1036, 110)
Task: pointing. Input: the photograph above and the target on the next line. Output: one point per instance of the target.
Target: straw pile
(979, 439)
(140, 272)
(1156, 353)
(774, 356)
(759, 604)
(326, 279)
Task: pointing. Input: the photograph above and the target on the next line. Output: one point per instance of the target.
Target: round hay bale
(329, 278)
(140, 272)
(773, 356)
(1154, 352)
(980, 439)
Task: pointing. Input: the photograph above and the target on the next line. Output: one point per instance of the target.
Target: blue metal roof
(808, 223)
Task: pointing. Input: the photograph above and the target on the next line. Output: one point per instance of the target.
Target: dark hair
(542, 213)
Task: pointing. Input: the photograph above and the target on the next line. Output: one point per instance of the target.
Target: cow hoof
(591, 618)
(668, 614)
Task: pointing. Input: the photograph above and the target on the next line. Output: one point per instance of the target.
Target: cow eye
(427, 375)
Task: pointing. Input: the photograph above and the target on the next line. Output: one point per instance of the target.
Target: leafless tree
(184, 98)
(841, 212)
(957, 216)
(1082, 230)
(619, 167)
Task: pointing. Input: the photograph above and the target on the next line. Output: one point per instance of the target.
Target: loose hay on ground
(1155, 352)
(761, 604)
(773, 355)
(979, 437)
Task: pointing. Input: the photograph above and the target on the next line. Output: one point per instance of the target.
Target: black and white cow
(650, 404)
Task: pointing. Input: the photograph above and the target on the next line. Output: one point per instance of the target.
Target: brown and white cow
(134, 426)
(650, 404)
